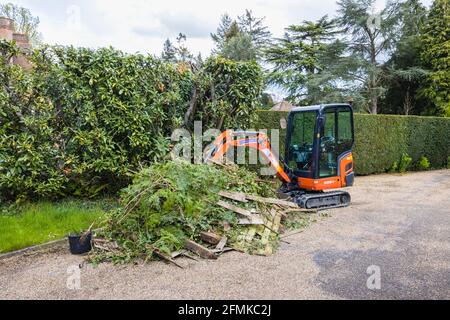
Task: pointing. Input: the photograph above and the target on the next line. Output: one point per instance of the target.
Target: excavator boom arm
(251, 139)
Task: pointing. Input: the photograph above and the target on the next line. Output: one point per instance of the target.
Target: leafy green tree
(176, 53)
(169, 53)
(225, 94)
(405, 68)
(302, 61)
(24, 21)
(239, 48)
(242, 39)
(255, 28)
(370, 37)
(267, 101)
(436, 55)
(183, 52)
(220, 37)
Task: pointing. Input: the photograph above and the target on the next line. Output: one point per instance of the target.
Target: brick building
(7, 32)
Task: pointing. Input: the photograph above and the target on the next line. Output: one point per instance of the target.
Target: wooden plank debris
(251, 233)
(238, 196)
(177, 254)
(232, 207)
(210, 237)
(199, 250)
(277, 223)
(252, 220)
(266, 233)
(166, 258)
(224, 250)
(272, 228)
(245, 238)
(272, 201)
(105, 245)
(222, 243)
(265, 221)
(187, 254)
(233, 196)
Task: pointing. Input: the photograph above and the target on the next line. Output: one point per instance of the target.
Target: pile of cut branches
(177, 207)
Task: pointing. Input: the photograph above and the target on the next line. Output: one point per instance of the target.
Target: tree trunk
(191, 110)
(373, 77)
(374, 106)
(220, 123)
(407, 103)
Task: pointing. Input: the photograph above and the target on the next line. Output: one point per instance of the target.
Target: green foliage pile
(82, 120)
(381, 140)
(169, 203)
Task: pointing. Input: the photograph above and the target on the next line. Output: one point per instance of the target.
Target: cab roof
(319, 107)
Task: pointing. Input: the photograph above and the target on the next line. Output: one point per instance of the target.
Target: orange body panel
(330, 182)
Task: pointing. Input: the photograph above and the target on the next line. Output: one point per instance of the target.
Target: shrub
(448, 162)
(381, 140)
(30, 157)
(423, 163)
(404, 163)
(228, 93)
(82, 120)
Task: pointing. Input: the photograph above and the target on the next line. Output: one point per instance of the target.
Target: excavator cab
(319, 144)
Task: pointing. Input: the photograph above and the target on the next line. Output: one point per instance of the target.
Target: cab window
(336, 139)
(300, 148)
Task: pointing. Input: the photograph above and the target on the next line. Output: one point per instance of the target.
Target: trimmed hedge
(82, 121)
(382, 139)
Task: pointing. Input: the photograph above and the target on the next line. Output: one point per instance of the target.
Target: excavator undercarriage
(316, 200)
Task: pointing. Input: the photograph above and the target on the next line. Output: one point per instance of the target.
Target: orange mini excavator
(318, 154)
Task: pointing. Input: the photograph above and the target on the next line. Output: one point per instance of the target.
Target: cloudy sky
(143, 25)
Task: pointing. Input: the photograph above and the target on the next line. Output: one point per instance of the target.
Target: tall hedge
(82, 120)
(380, 140)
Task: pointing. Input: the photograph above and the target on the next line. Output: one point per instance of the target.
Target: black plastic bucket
(78, 245)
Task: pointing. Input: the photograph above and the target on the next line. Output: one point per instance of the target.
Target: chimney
(23, 43)
(6, 28)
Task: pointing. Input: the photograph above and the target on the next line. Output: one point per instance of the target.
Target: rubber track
(305, 197)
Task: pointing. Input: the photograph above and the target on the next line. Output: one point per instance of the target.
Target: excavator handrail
(253, 139)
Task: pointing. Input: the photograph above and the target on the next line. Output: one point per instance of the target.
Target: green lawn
(41, 222)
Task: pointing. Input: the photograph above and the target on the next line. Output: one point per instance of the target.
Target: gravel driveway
(398, 225)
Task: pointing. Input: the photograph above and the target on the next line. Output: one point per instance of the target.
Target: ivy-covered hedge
(380, 140)
(82, 120)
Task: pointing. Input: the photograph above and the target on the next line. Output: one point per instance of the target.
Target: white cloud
(140, 25)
